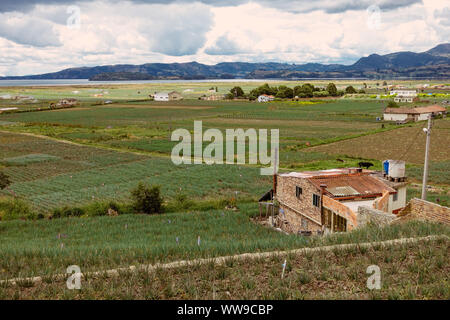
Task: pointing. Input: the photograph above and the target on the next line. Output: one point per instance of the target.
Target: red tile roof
(419, 110)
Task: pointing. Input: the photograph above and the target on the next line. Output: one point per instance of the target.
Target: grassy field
(414, 271)
(48, 246)
(407, 143)
(190, 90)
(96, 152)
(49, 174)
(341, 130)
(130, 142)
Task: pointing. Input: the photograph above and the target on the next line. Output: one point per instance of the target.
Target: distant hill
(442, 50)
(434, 63)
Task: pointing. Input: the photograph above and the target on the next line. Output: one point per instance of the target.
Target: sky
(39, 36)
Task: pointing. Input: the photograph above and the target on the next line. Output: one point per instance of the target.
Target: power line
(412, 143)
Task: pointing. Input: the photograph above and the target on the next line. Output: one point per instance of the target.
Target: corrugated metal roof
(353, 185)
(343, 191)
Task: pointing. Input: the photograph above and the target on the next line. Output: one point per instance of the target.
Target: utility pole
(425, 166)
(274, 185)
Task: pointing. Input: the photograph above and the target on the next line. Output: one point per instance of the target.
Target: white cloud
(177, 30)
(135, 32)
(27, 30)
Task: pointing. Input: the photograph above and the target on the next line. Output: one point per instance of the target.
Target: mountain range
(434, 63)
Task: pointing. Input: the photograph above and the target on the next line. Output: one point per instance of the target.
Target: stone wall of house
(302, 206)
(293, 222)
(368, 214)
(418, 209)
(382, 203)
(342, 210)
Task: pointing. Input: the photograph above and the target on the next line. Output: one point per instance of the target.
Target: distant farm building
(337, 200)
(167, 96)
(213, 97)
(265, 98)
(67, 102)
(413, 114)
(8, 109)
(404, 95)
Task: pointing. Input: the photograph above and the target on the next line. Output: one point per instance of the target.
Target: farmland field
(96, 152)
(326, 275)
(46, 247)
(133, 136)
(407, 143)
(68, 174)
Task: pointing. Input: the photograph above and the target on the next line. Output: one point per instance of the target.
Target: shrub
(4, 181)
(93, 210)
(101, 208)
(350, 90)
(147, 199)
(182, 202)
(11, 209)
(71, 212)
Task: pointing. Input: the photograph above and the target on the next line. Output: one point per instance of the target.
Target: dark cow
(366, 165)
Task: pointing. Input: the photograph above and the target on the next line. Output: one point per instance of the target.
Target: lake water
(73, 82)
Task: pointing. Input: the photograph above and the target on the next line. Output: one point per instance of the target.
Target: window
(316, 200)
(395, 197)
(298, 192)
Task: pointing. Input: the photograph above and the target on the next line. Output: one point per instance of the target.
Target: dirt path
(224, 259)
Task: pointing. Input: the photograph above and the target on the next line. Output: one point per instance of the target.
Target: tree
(321, 94)
(392, 104)
(331, 88)
(4, 181)
(147, 199)
(350, 90)
(237, 92)
(304, 91)
(284, 92)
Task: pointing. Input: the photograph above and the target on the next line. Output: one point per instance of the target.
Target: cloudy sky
(38, 36)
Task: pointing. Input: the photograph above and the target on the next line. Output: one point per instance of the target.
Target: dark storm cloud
(330, 6)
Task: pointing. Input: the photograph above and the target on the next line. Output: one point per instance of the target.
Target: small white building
(404, 95)
(413, 114)
(265, 98)
(161, 96)
(167, 96)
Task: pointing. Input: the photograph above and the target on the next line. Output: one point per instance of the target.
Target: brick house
(328, 200)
